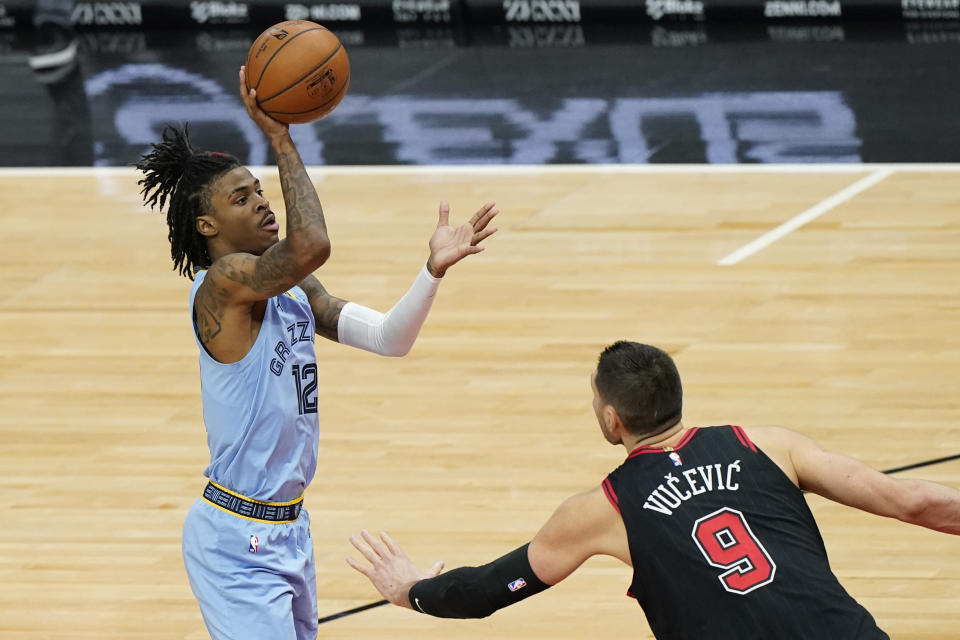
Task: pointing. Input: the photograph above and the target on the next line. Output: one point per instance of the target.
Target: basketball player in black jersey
(709, 515)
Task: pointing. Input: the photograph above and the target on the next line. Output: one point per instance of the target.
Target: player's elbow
(915, 505)
(321, 248)
(315, 250)
(396, 351)
(392, 344)
(912, 509)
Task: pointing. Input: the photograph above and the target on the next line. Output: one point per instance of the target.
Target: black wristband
(476, 592)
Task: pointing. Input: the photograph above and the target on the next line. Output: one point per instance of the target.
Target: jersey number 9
(726, 541)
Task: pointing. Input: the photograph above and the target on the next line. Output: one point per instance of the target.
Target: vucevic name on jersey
(724, 546)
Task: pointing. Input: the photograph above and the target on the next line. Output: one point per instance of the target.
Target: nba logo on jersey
(254, 544)
(517, 584)
(675, 459)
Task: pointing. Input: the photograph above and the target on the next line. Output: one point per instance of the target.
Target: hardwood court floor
(846, 330)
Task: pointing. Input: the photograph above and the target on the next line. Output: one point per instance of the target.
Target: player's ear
(613, 423)
(207, 226)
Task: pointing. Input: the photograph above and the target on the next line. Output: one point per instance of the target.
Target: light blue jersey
(261, 412)
(256, 580)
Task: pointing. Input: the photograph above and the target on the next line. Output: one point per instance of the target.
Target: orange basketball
(299, 70)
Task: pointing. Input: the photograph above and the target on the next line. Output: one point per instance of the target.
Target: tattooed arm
(393, 333)
(234, 283)
(245, 278)
(326, 308)
(387, 334)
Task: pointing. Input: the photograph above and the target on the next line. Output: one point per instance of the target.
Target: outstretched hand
(270, 127)
(391, 571)
(449, 245)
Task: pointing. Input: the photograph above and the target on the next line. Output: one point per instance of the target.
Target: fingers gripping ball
(299, 70)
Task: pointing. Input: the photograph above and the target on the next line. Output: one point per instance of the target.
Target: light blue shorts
(253, 580)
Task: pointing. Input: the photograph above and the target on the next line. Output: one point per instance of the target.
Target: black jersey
(724, 546)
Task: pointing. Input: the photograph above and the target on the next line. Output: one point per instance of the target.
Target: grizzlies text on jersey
(246, 542)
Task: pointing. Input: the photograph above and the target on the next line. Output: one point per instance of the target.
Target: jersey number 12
(306, 378)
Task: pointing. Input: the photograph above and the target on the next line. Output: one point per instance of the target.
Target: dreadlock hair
(176, 172)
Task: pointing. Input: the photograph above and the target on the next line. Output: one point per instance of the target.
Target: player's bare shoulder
(208, 307)
(777, 443)
(220, 309)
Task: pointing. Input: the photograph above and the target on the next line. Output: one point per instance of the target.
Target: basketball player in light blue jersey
(255, 308)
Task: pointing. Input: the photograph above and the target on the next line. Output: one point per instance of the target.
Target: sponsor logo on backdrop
(541, 10)
(430, 37)
(115, 41)
(658, 9)
(802, 9)
(106, 13)
(351, 38)
(932, 33)
(931, 9)
(220, 12)
(806, 33)
(5, 20)
(435, 11)
(214, 40)
(322, 12)
(689, 37)
(534, 36)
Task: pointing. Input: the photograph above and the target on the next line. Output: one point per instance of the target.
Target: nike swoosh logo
(416, 602)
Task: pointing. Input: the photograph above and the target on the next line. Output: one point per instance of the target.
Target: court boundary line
(801, 219)
(350, 612)
(925, 463)
(883, 170)
(522, 169)
(380, 603)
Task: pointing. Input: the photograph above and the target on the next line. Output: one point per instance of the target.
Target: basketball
(299, 70)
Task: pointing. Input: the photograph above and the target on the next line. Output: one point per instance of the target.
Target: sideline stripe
(809, 215)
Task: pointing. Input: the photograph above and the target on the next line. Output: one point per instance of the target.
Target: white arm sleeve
(394, 332)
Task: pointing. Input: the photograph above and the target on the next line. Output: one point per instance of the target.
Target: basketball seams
(319, 107)
(302, 78)
(278, 49)
(299, 93)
